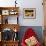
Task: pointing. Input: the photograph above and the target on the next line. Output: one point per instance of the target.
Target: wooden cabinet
(9, 25)
(10, 43)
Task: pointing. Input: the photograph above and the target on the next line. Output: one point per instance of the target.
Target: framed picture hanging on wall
(5, 12)
(29, 13)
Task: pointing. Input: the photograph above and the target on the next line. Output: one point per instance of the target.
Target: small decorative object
(15, 30)
(13, 12)
(30, 13)
(15, 3)
(15, 37)
(7, 34)
(5, 12)
(32, 41)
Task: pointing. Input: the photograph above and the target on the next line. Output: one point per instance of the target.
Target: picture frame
(29, 13)
(5, 12)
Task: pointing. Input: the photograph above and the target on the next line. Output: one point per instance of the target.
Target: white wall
(27, 4)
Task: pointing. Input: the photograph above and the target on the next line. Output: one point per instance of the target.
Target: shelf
(6, 12)
(11, 41)
(7, 16)
(9, 20)
(11, 26)
(9, 10)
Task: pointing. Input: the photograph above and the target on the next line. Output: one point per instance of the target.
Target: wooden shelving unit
(4, 13)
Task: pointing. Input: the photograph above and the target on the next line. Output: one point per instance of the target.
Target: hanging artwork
(5, 12)
(29, 13)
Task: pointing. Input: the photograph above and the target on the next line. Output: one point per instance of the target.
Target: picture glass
(30, 13)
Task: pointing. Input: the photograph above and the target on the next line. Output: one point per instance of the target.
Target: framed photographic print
(5, 12)
(29, 13)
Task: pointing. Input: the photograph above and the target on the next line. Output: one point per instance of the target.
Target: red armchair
(29, 36)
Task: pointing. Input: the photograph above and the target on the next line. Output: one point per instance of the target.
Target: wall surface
(36, 23)
(27, 4)
(39, 13)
